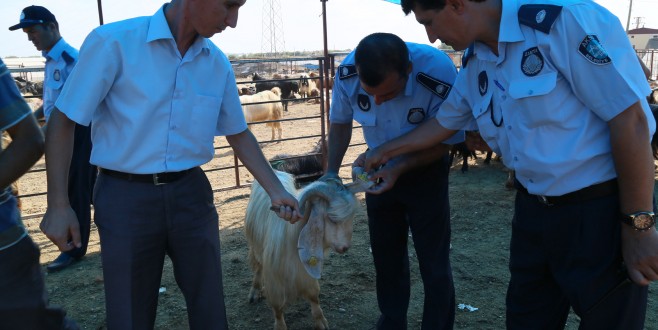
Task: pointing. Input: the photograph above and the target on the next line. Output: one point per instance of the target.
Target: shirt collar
(55, 53)
(159, 29)
(510, 28)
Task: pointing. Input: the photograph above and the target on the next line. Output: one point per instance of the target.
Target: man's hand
(640, 253)
(286, 207)
(60, 225)
(374, 159)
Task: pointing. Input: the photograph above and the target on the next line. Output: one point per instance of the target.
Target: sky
(347, 22)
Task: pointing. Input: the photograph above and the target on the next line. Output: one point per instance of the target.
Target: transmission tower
(273, 41)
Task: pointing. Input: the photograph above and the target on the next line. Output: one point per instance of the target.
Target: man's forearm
(420, 158)
(631, 151)
(59, 149)
(246, 147)
(427, 135)
(339, 140)
(24, 150)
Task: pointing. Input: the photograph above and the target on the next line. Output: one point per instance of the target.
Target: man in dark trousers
(42, 30)
(557, 90)
(23, 298)
(390, 87)
(158, 92)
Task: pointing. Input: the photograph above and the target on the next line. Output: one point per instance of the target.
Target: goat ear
(311, 240)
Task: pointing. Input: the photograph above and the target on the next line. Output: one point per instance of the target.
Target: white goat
(287, 258)
(263, 111)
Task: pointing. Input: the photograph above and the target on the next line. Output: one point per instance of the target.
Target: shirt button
(516, 158)
(530, 92)
(173, 126)
(532, 181)
(509, 127)
(504, 97)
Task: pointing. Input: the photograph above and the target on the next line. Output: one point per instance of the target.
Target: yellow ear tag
(312, 261)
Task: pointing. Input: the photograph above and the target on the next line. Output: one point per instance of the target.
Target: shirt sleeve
(594, 54)
(13, 108)
(231, 118)
(341, 111)
(90, 80)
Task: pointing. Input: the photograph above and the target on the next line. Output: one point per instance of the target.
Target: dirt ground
(481, 209)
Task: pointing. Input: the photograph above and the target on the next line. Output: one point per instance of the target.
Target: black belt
(588, 193)
(156, 178)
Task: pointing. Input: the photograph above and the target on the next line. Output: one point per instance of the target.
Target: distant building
(643, 38)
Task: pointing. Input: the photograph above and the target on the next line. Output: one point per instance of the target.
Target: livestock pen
(481, 219)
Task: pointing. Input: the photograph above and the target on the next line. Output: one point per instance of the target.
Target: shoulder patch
(467, 54)
(539, 17)
(438, 87)
(67, 58)
(346, 71)
(593, 51)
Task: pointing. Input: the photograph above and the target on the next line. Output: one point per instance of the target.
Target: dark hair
(407, 5)
(380, 54)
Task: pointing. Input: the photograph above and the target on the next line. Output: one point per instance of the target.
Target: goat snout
(342, 248)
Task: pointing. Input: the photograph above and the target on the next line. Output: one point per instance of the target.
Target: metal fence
(291, 69)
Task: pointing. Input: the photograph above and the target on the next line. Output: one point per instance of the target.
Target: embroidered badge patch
(541, 15)
(593, 51)
(56, 75)
(364, 102)
(532, 62)
(415, 115)
(346, 71)
(438, 87)
(483, 82)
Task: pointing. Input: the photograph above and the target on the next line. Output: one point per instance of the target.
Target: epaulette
(346, 71)
(438, 87)
(539, 17)
(467, 54)
(67, 58)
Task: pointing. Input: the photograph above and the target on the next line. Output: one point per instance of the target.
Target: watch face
(643, 221)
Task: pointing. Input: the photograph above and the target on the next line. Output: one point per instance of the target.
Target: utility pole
(638, 22)
(628, 21)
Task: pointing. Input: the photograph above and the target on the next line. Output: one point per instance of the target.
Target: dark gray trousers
(138, 224)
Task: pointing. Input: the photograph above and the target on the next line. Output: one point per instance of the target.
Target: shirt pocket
(205, 113)
(532, 96)
(365, 118)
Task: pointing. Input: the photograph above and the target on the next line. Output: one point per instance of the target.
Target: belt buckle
(544, 200)
(156, 180)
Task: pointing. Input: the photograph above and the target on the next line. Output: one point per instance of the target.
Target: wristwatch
(640, 221)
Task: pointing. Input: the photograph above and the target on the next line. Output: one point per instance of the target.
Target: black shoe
(64, 260)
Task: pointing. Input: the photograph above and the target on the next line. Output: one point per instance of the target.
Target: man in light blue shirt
(390, 87)
(158, 91)
(42, 30)
(556, 88)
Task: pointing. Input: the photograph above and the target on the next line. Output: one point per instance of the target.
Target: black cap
(34, 15)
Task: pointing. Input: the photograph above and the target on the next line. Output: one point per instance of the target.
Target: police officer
(390, 87)
(42, 30)
(558, 91)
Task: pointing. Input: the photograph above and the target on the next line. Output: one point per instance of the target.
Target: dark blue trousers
(570, 256)
(418, 202)
(23, 300)
(138, 224)
(82, 176)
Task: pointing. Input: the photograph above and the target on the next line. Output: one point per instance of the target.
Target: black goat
(288, 88)
(306, 167)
